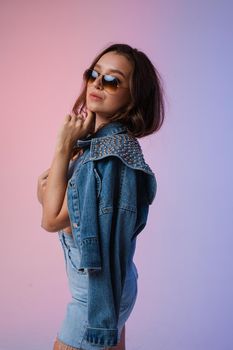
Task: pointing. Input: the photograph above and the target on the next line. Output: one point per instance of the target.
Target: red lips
(95, 96)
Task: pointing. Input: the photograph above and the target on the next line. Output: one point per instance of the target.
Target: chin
(92, 106)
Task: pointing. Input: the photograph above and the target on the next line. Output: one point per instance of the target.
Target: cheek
(124, 99)
(87, 91)
(88, 100)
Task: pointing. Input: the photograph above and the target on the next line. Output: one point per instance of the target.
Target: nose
(98, 82)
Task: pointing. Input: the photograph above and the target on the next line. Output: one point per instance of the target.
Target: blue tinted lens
(109, 78)
(94, 74)
(110, 83)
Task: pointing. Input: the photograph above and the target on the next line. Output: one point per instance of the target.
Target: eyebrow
(112, 70)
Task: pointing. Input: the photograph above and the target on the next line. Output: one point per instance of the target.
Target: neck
(100, 120)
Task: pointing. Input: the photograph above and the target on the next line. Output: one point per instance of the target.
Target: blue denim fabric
(75, 323)
(109, 194)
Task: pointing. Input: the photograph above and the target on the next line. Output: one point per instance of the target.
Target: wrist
(64, 149)
(65, 143)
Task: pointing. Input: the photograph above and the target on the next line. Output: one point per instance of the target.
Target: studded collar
(113, 140)
(107, 130)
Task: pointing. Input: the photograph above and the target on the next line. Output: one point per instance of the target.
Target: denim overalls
(109, 193)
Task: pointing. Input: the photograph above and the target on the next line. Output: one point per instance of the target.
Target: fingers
(90, 115)
(67, 118)
(43, 183)
(90, 120)
(76, 126)
(45, 174)
(73, 118)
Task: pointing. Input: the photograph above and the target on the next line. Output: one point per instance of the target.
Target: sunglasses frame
(109, 88)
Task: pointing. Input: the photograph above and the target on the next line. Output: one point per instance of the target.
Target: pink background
(184, 255)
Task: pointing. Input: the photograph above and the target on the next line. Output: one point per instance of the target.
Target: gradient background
(184, 255)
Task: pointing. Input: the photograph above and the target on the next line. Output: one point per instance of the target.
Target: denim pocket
(74, 259)
(71, 252)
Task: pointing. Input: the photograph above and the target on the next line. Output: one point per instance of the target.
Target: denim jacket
(109, 194)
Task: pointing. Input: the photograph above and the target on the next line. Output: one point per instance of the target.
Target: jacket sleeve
(89, 226)
(110, 199)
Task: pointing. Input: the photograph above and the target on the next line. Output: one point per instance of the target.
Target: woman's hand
(54, 199)
(41, 185)
(73, 128)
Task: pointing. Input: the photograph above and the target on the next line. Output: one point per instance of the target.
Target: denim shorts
(74, 325)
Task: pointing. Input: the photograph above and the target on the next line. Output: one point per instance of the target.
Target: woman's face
(99, 100)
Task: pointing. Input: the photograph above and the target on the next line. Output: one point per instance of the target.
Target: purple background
(184, 255)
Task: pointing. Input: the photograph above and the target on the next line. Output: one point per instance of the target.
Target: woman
(97, 194)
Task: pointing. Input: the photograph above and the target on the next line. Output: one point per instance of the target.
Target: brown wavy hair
(145, 113)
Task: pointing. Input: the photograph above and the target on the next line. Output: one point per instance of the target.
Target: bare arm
(54, 199)
(55, 213)
(41, 186)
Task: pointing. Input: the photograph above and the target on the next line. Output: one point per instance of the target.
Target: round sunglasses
(109, 82)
